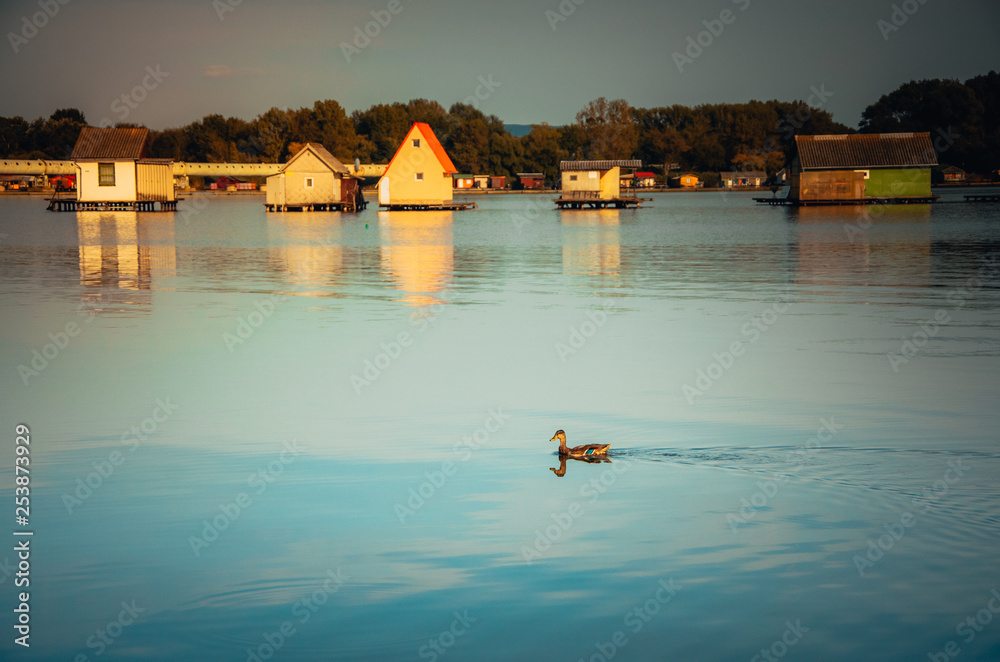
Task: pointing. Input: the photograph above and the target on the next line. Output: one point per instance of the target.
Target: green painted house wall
(898, 183)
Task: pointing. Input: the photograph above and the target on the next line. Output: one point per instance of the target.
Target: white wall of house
(88, 188)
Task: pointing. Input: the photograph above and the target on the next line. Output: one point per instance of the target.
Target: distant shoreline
(374, 192)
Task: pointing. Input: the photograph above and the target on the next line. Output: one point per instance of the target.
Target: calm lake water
(326, 437)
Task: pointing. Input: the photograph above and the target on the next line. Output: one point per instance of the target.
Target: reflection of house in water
(124, 251)
(418, 254)
(592, 242)
(307, 247)
(886, 245)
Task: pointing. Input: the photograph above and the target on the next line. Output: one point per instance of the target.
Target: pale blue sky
(261, 54)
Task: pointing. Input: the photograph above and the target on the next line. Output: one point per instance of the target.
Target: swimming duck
(579, 451)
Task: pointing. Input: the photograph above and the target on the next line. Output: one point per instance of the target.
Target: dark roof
(600, 165)
(331, 161)
(530, 174)
(950, 169)
(112, 144)
(742, 174)
(861, 150)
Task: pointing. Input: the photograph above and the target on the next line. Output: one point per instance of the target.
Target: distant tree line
(704, 139)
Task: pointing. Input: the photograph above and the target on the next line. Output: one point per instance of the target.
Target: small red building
(531, 180)
(645, 180)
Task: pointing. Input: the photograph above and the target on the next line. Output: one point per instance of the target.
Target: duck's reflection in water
(589, 459)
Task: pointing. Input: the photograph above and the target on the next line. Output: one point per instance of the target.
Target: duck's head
(559, 436)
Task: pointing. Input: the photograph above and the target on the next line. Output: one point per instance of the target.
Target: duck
(579, 451)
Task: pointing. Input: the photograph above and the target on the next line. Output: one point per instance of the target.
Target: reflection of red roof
(645, 175)
(427, 133)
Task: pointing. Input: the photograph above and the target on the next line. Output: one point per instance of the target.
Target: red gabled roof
(645, 175)
(427, 133)
(436, 147)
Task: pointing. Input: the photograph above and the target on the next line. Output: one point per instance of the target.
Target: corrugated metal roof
(874, 150)
(742, 174)
(599, 165)
(111, 144)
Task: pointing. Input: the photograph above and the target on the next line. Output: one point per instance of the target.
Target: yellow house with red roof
(419, 176)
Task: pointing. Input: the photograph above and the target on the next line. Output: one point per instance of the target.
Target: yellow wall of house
(325, 188)
(154, 181)
(88, 186)
(581, 180)
(289, 187)
(404, 188)
(607, 182)
(611, 183)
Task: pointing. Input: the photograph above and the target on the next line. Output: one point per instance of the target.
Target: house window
(106, 174)
(416, 142)
(420, 176)
(309, 182)
(593, 175)
(572, 178)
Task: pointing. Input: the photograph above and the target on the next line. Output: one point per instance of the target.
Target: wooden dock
(983, 197)
(71, 204)
(346, 206)
(429, 206)
(593, 200)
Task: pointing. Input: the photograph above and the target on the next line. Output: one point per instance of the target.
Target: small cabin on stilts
(113, 174)
(420, 175)
(595, 184)
(314, 180)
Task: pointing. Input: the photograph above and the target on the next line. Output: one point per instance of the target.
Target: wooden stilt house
(420, 174)
(313, 180)
(113, 173)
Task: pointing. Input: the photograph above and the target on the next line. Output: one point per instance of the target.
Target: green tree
(938, 106)
(384, 126)
(431, 113)
(272, 132)
(659, 139)
(505, 150)
(468, 143)
(609, 130)
(168, 144)
(542, 152)
(987, 91)
(335, 129)
(13, 136)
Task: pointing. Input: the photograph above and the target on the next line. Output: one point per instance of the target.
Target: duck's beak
(554, 439)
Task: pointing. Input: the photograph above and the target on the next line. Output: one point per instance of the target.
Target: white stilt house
(112, 172)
